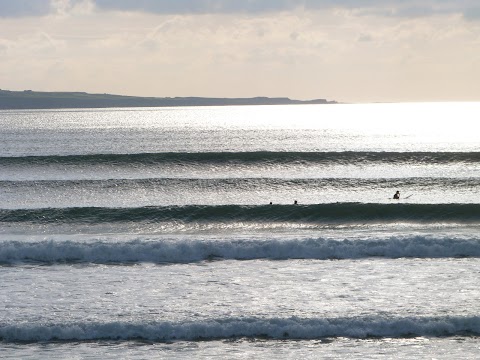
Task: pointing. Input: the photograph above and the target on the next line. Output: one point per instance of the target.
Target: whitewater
(261, 231)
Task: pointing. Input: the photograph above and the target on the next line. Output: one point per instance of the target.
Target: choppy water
(146, 233)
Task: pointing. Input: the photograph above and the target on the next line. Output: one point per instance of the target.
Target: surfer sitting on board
(397, 195)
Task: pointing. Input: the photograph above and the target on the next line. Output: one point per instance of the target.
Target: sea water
(174, 233)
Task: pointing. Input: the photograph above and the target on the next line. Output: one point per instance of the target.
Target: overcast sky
(344, 50)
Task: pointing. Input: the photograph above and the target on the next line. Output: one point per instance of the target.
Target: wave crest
(310, 214)
(290, 328)
(345, 157)
(187, 251)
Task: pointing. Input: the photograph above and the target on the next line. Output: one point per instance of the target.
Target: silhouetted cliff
(61, 100)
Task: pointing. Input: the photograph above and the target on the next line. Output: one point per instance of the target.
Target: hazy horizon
(345, 51)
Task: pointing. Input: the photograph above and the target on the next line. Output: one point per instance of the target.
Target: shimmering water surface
(149, 233)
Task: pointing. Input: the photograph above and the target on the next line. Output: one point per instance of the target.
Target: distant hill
(28, 99)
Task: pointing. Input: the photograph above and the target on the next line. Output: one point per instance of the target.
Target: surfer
(295, 202)
(397, 195)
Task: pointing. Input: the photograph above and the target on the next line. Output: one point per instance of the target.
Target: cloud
(362, 50)
(19, 8)
(387, 8)
(198, 6)
(395, 8)
(35, 8)
(472, 13)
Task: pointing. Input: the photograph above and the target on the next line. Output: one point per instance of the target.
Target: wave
(248, 183)
(330, 213)
(187, 251)
(216, 329)
(347, 157)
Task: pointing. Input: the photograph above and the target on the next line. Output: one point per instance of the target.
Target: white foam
(185, 251)
(290, 328)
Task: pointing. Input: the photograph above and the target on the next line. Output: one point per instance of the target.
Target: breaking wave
(279, 328)
(187, 251)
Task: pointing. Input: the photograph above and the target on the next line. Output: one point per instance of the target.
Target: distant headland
(29, 99)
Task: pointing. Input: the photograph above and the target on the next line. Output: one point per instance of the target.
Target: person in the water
(397, 195)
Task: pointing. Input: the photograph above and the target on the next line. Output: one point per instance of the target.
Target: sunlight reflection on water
(341, 127)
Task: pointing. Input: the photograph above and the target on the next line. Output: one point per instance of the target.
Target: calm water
(149, 233)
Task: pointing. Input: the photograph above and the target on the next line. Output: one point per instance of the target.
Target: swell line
(228, 328)
(247, 183)
(190, 251)
(345, 157)
(314, 214)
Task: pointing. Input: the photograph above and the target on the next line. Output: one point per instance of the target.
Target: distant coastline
(29, 99)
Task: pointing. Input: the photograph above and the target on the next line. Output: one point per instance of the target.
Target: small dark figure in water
(270, 203)
(295, 202)
(397, 195)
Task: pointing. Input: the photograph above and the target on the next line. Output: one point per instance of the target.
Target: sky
(359, 51)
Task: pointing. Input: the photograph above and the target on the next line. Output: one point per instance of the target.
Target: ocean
(241, 232)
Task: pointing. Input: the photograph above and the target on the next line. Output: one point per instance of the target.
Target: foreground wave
(345, 157)
(279, 328)
(362, 213)
(187, 251)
